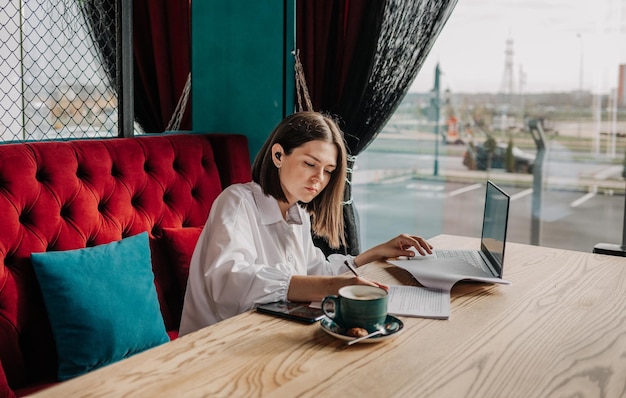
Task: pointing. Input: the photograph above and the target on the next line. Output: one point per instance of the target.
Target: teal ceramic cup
(357, 306)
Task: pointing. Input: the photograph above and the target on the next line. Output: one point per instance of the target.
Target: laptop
(490, 257)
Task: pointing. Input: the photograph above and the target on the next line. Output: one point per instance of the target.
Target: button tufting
(167, 197)
(25, 217)
(80, 173)
(40, 176)
(65, 211)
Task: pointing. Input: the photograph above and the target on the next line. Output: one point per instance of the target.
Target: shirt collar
(270, 211)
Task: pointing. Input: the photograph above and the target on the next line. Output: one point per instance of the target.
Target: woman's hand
(339, 281)
(316, 287)
(345, 280)
(398, 246)
(401, 245)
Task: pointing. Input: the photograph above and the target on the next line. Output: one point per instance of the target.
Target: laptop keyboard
(471, 257)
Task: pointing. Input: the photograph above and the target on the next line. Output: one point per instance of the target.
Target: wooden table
(558, 331)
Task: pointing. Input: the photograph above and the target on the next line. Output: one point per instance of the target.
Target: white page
(444, 273)
(418, 302)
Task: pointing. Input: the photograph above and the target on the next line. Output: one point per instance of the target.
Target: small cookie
(356, 332)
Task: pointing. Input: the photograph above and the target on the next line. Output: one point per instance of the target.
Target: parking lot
(569, 219)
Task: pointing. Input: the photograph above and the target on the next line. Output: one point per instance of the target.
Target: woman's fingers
(421, 245)
(365, 281)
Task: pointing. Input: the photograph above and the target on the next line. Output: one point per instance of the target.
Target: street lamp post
(580, 80)
(536, 130)
(580, 69)
(435, 103)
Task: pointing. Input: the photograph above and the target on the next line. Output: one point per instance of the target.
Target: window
(52, 81)
(560, 65)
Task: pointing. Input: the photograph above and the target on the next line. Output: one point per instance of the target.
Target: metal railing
(53, 84)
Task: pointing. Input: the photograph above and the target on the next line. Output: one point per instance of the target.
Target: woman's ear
(277, 152)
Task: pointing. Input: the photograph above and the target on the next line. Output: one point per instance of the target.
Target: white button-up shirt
(246, 255)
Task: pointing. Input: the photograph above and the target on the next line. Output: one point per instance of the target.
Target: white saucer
(393, 324)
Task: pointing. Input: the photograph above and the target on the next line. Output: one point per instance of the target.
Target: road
(567, 165)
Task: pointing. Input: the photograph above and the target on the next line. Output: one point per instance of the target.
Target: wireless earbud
(278, 155)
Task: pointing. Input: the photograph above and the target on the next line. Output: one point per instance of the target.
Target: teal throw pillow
(102, 303)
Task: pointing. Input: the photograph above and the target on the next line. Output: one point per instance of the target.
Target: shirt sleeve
(234, 279)
(237, 282)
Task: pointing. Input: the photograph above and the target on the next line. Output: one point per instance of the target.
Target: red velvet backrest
(76, 194)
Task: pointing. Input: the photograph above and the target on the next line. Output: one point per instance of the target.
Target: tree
(490, 147)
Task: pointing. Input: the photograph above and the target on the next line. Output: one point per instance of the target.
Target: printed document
(418, 301)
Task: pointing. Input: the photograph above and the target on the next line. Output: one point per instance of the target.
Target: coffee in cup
(357, 306)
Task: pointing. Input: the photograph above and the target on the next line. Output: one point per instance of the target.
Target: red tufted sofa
(75, 194)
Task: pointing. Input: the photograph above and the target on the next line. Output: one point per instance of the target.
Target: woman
(256, 246)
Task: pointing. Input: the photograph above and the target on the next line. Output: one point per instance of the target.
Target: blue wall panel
(242, 67)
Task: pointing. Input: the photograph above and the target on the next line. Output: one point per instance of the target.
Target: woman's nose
(319, 175)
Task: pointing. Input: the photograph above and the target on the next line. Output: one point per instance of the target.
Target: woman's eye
(329, 172)
(309, 164)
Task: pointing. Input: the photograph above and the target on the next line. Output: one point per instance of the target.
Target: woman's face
(307, 170)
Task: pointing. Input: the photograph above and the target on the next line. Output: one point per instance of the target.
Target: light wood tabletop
(559, 330)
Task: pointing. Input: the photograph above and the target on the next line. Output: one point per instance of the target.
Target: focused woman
(257, 247)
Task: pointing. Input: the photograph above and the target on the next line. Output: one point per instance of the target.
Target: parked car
(476, 158)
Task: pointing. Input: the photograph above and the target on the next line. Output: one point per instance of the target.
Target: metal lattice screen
(52, 83)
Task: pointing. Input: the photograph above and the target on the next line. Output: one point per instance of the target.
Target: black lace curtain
(161, 51)
(360, 58)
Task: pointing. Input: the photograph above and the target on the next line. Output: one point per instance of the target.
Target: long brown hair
(326, 208)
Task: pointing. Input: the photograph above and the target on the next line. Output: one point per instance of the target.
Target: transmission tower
(507, 76)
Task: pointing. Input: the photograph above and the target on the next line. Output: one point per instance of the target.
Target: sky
(555, 42)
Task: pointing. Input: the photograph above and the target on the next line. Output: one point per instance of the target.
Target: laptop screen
(495, 221)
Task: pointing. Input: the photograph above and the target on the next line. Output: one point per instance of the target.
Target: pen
(353, 269)
(347, 263)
